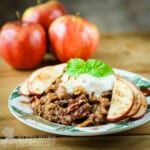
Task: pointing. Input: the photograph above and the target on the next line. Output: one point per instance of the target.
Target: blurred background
(108, 15)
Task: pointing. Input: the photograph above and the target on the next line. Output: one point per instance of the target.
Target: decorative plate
(24, 113)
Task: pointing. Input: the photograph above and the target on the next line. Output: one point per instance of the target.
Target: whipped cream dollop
(91, 84)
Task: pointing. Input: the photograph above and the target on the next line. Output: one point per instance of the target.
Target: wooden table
(126, 51)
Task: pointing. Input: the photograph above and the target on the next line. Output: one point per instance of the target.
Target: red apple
(22, 45)
(72, 36)
(44, 13)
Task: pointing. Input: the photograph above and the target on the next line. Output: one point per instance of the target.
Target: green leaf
(97, 68)
(75, 67)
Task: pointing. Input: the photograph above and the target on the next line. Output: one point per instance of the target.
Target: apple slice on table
(121, 102)
(41, 79)
(24, 90)
(136, 98)
(143, 108)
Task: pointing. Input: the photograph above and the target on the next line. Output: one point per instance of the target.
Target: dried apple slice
(136, 98)
(24, 90)
(121, 102)
(143, 108)
(40, 80)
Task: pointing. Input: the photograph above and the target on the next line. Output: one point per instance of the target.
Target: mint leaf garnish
(75, 67)
(97, 68)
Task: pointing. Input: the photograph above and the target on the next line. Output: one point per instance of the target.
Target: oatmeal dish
(83, 93)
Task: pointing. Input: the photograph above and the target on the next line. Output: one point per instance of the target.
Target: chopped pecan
(79, 90)
(61, 92)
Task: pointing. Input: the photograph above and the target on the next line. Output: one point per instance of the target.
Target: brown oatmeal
(80, 109)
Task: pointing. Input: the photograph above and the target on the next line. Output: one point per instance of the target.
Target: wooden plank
(126, 51)
(80, 143)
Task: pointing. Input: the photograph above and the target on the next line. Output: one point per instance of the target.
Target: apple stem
(18, 15)
(77, 14)
(38, 2)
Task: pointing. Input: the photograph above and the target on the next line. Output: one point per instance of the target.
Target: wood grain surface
(77, 143)
(129, 51)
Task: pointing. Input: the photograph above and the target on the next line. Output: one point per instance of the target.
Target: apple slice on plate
(143, 108)
(136, 98)
(41, 79)
(121, 102)
(24, 90)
